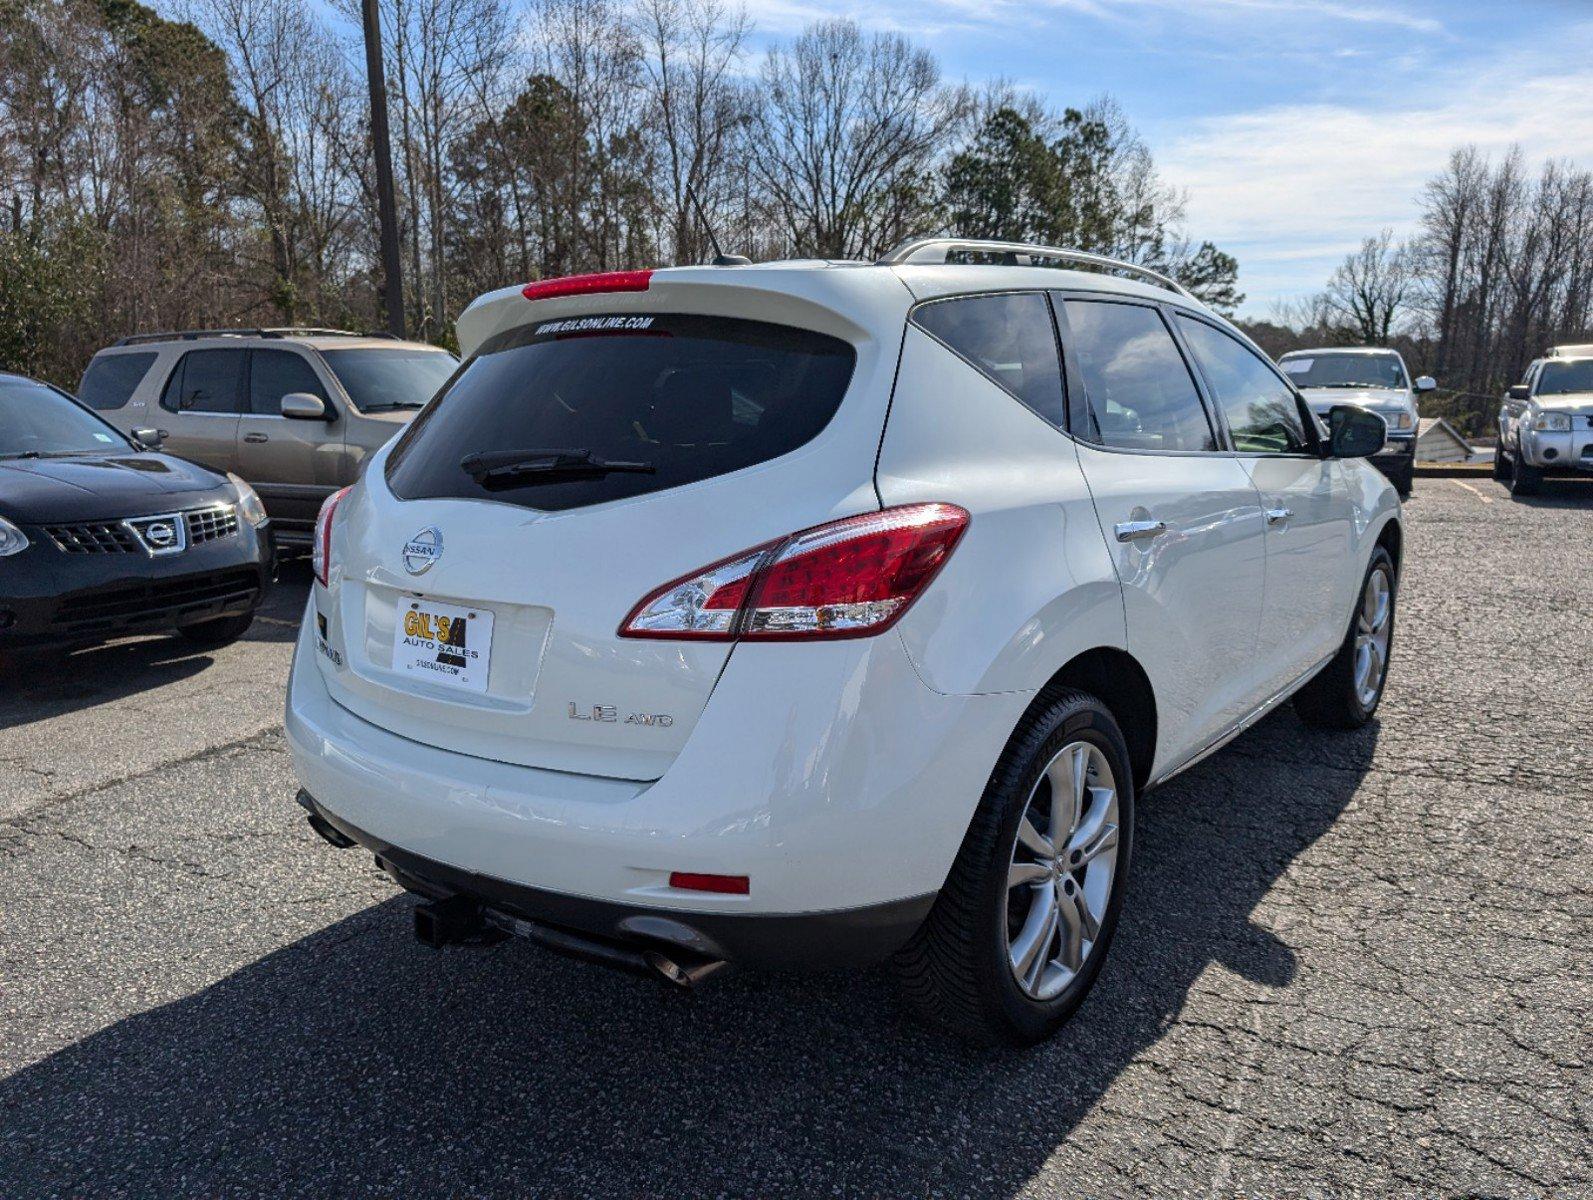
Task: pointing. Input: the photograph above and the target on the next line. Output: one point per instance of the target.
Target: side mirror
(1355, 432)
(1425, 383)
(1520, 391)
(302, 406)
(150, 439)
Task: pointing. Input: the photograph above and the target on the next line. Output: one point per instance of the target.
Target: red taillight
(692, 881)
(850, 578)
(588, 285)
(321, 552)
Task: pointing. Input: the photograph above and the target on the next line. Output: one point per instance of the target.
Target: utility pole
(392, 263)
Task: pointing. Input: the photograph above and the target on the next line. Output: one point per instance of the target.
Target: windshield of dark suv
(580, 410)
(1565, 378)
(37, 421)
(379, 378)
(1345, 371)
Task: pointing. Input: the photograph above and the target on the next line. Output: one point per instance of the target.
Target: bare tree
(1372, 289)
(161, 172)
(848, 134)
(590, 48)
(691, 50)
(295, 93)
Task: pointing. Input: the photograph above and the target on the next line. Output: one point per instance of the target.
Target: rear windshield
(380, 379)
(111, 379)
(690, 397)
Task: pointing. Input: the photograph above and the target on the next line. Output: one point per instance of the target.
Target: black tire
(1525, 480)
(955, 972)
(1331, 700)
(222, 631)
(1501, 464)
(1405, 480)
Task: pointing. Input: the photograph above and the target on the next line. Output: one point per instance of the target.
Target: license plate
(444, 643)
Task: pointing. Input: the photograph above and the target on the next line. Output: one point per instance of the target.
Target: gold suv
(294, 411)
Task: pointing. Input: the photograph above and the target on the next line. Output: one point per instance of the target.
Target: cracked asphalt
(1352, 964)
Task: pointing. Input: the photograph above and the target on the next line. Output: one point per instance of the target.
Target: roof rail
(280, 331)
(940, 249)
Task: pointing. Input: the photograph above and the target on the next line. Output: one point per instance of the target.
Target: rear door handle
(1277, 516)
(1139, 531)
(255, 437)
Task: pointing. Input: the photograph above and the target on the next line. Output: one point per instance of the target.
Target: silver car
(1374, 378)
(1546, 422)
(295, 412)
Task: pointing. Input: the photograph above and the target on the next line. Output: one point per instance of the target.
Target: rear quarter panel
(1031, 584)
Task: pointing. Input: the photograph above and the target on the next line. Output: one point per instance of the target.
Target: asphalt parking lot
(1350, 964)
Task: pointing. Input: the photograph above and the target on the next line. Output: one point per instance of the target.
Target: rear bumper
(827, 774)
(846, 937)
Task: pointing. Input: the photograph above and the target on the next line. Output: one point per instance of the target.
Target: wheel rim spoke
(1020, 873)
(1033, 840)
(1096, 835)
(1030, 949)
(1073, 935)
(1066, 775)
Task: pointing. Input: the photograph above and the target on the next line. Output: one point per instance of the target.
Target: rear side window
(689, 396)
(206, 381)
(1139, 393)
(111, 379)
(1263, 416)
(275, 373)
(1009, 337)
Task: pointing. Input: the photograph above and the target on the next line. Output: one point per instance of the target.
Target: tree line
(212, 167)
(1499, 269)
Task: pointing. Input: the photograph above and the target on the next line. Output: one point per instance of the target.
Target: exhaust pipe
(455, 921)
(682, 971)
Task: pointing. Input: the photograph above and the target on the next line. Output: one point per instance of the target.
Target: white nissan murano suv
(814, 613)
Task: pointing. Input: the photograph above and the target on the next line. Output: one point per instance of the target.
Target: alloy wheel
(1063, 861)
(1373, 626)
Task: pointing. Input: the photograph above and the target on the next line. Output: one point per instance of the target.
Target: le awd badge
(609, 715)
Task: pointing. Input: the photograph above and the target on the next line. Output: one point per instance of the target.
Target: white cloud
(1260, 20)
(1248, 10)
(1288, 189)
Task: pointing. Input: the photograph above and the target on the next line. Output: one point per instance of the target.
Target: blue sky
(1297, 127)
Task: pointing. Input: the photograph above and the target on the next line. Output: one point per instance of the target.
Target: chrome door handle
(255, 437)
(1139, 531)
(1277, 516)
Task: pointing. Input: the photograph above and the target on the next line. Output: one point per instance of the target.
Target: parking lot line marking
(1472, 490)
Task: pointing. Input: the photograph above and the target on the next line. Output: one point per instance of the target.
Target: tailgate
(481, 614)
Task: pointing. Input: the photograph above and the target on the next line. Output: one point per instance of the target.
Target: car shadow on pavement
(44, 684)
(355, 1061)
(1559, 493)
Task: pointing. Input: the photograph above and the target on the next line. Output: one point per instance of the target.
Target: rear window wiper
(509, 466)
